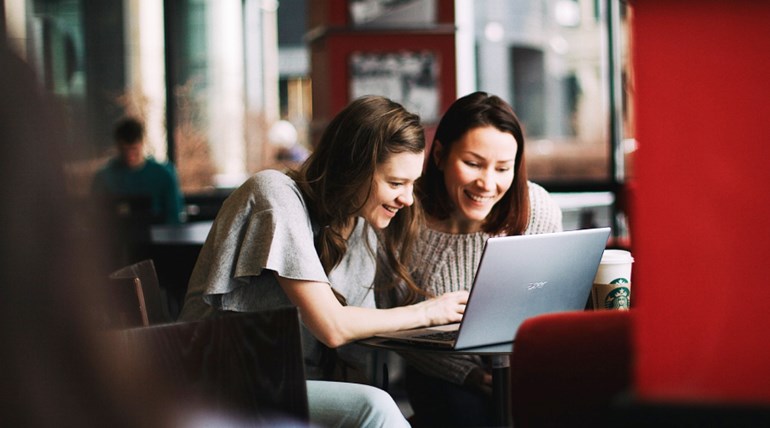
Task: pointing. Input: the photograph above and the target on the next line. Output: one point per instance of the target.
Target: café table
(193, 233)
(499, 354)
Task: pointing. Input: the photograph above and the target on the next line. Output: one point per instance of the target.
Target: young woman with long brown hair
(310, 238)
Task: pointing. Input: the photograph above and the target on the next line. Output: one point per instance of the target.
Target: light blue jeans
(343, 404)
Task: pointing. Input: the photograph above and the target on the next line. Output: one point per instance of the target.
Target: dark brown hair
(510, 215)
(363, 135)
(128, 130)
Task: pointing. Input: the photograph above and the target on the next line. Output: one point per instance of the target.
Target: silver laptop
(519, 277)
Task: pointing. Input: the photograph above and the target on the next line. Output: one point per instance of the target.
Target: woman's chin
(475, 214)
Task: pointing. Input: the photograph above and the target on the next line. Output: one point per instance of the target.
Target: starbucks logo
(619, 298)
(619, 281)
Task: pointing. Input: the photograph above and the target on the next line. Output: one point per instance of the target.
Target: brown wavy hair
(363, 135)
(510, 216)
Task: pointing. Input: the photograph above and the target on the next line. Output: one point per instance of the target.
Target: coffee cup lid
(616, 256)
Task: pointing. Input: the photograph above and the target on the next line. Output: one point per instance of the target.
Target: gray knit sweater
(445, 262)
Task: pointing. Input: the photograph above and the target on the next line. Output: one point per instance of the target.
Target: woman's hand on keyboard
(445, 309)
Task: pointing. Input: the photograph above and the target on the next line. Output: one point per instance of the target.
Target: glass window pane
(548, 59)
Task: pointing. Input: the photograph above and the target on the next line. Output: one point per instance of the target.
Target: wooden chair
(247, 364)
(569, 368)
(136, 296)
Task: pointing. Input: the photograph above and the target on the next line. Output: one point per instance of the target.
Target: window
(198, 72)
(549, 60)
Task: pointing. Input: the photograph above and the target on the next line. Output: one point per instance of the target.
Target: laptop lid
(527, 275)
(519, 277)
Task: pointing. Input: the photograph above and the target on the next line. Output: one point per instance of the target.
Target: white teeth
(391, 209)
(477, 198)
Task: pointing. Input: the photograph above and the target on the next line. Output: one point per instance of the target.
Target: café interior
(645, 116)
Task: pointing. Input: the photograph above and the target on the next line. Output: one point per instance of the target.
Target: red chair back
(567, 368)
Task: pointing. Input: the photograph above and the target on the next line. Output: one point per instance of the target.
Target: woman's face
(478, 170)
(392, 188)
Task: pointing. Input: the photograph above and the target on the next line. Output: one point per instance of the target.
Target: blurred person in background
(132, 173)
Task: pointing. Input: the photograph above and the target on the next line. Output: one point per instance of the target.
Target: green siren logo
(618, 298)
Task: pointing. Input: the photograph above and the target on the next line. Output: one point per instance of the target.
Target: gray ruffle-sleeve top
(263, 227)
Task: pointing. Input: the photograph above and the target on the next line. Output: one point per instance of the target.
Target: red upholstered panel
(701, 210)
(568, 367)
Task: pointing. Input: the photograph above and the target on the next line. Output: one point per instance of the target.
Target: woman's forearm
(335, 324)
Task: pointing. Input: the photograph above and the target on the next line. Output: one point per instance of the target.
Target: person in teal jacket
(131, 173)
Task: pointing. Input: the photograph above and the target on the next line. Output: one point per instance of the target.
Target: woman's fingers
(448, 307)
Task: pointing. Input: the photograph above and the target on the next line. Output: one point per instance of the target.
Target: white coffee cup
(612, 284)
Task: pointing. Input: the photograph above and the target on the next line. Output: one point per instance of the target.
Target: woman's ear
(438, 154)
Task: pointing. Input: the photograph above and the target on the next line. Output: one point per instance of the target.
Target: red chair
(568, 368)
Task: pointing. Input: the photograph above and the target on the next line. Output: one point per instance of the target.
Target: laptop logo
(535, 285)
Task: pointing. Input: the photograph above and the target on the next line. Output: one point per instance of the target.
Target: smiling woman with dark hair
(475, 186)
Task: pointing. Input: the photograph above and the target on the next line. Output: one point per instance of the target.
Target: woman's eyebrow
(478, 156)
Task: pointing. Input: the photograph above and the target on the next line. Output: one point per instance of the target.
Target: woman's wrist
(423, 315)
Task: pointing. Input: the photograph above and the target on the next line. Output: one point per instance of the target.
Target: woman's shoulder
(537, 191)
(545, 213)
(540, 197)
(267, 189)
(270, 183)
(271, 177)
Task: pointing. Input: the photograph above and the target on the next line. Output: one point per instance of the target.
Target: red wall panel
(702, 208)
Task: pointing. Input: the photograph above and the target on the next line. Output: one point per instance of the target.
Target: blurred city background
(229, 87)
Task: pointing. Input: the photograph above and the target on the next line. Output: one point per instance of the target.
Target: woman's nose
(406, 198)
(486, 180)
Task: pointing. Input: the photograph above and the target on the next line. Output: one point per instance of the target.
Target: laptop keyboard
(446, 336)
